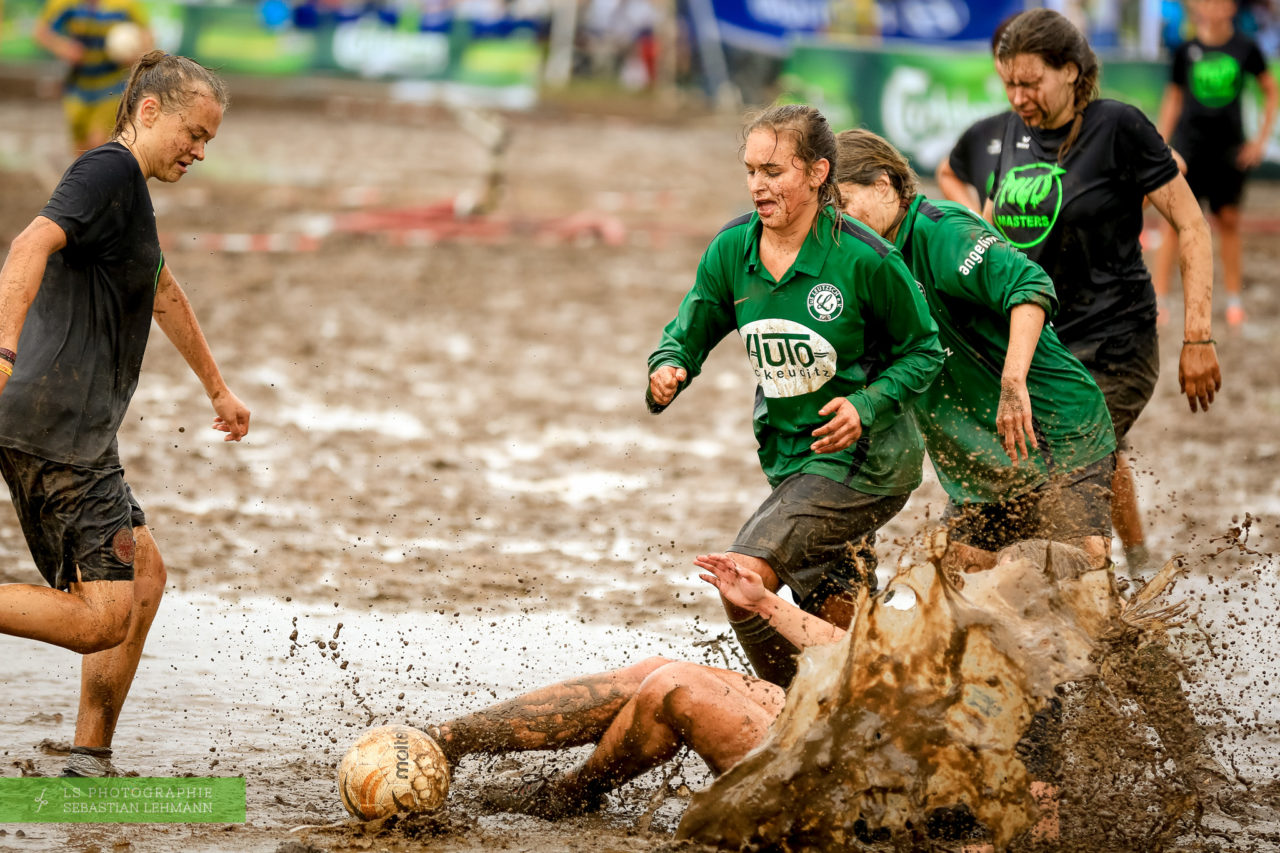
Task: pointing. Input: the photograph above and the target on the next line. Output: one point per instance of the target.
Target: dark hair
(865, 156)
(175, 81)
(998, 32)
(1057, 41)
(814, 141)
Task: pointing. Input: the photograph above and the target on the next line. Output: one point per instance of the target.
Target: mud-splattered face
(1043, 96)
(170, 142)
(784, 190)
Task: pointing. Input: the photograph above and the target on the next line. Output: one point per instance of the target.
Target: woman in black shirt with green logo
(78, 292)
(1068, 191)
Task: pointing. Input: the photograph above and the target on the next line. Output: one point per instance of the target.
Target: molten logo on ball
(392, 769)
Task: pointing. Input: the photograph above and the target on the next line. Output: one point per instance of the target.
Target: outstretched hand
(737, 585)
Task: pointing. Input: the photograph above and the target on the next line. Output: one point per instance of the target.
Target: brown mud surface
(452, 490)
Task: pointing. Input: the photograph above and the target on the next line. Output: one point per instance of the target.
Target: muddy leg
(719, 714)
(569, 713)
(772, 656)
(105, 677)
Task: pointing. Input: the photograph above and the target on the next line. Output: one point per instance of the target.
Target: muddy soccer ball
(125, 43)
(392, 769)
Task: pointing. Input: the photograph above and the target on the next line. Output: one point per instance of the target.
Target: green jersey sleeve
(705, 316)
(988, 271)
(910, 341)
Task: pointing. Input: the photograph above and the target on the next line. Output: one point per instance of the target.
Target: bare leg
(719, 714)
(92, 616)
(1231, 247)
(1125, 516)
(105, 677)
(569, 713)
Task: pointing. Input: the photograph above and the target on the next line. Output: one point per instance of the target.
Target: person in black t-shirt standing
(1201, 114)
(78, 291)
(1069, 191)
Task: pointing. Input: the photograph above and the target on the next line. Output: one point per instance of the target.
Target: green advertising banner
(233, 38)
(922, 101)
(122, 800)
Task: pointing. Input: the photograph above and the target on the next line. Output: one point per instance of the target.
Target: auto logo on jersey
(789, 359)
(825, 302)
(1028, 202)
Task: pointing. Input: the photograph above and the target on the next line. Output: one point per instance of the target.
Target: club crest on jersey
(788, 358)
(825, 302)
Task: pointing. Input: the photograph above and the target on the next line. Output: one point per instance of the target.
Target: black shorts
(1214, 177)
(1065, 509)
(75, 519)
(1126, 368)
(818, 535)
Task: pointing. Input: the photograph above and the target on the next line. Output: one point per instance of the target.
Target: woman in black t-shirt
(1069, 189)
(81, 285)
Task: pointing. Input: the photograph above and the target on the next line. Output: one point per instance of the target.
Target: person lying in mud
(840, 339)
(638, 716)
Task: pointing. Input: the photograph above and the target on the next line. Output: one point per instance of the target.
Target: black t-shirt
(976, 152)
(1212, 80)
(1081, 219)
(82, 343)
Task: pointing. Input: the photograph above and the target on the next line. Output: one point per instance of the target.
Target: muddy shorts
(1126, 369)
(818, 535)
(74, 518)
(1065, 509)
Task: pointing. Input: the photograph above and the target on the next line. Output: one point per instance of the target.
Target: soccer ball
(392, 769)
(125, 43)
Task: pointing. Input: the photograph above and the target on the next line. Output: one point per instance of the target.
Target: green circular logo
(1027, 203)
(1215, 79)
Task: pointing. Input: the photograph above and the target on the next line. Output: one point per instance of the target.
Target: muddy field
(452, 490)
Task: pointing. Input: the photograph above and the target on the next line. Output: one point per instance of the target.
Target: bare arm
(1198, 373)
(742, 587)
(66, 49)
(989, 211)
(1252, 152)
(21, 276)
(1170, 109)
(1013, 414)
(954, 189)
(173, 312)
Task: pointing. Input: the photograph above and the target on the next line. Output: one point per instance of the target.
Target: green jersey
(847, 320)
(972, 279)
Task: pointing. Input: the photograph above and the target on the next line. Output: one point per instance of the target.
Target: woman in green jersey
(840, 340)
(1016, 428)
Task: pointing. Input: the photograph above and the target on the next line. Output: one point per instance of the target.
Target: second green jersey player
(1007, 381)
(840, 340)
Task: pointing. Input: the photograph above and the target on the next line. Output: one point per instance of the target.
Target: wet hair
(1057, 41)
(864, 156)
(998, 32)
(175, 81)
(813, 137)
